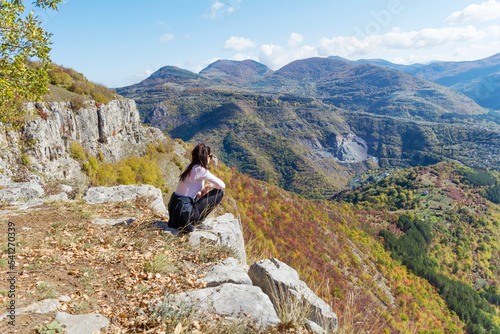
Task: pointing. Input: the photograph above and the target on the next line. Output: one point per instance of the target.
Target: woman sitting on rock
(193, 200)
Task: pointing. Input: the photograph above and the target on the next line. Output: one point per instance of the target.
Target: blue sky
(118, 43)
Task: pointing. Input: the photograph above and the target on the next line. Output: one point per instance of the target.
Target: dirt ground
(119, 272)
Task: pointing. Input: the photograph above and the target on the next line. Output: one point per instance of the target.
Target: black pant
(204, 205)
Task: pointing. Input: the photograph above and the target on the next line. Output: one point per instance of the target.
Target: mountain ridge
(478, 79)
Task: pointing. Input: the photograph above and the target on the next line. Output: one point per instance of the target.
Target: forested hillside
(441, 237)
(448, 232)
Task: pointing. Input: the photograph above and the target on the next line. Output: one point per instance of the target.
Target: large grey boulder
(234, 301)
(124, 193)
(83, 323)
(224, 230)
(15, 192)
(228, 271)
(283, 285)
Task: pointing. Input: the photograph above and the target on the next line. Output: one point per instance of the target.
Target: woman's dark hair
(199, 156)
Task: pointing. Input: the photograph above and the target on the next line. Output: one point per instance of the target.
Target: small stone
(65, 299)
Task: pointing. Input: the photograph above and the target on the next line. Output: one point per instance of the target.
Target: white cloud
(239, 44)
(241, 56)
(486, 11)
(295, 40)
(422, 59)
(349, 46)
(275, 56)
(417, 45)
(203, 65)
(167, 38)
(220, 9)
(144, 74)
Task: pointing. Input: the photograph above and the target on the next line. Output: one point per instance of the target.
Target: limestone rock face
(124, 193)
(234, 301)
(282, 284)
(113, 129)
(225, 231)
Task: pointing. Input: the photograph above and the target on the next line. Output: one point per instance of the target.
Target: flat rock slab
(83, 323)
(234, 301)
(228, 271)
(225, 231)
(124, 193)
(283, 285)
(41, 307)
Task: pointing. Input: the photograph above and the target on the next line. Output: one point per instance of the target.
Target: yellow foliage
(77, 151)
(106, 175)
(126, 175)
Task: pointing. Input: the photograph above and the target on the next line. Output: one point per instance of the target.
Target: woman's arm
(213, 181)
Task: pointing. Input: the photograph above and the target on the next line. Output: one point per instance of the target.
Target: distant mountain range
(479, 79)
(311, 125)
(357, 87)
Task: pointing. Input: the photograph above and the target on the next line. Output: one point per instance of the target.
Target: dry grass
(291, 308)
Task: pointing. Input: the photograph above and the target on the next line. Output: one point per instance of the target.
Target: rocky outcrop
(20, 192)
(283, 286)
(234, 301)
(124, 193)
(350, 148)
(228, 271)
(224, 231)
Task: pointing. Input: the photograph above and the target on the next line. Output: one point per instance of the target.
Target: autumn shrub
(160, 148)
(43, 114)
(77, 152)
(106, 175)
(25, 160)
(80, 88)
(60, 78)
(126, 175)
(101, 94)
(132, 170)
(77, 102)
(76, 82)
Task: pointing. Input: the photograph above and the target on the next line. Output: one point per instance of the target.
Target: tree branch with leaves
(24, 57)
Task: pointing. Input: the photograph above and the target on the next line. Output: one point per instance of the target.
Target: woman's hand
(204, 191)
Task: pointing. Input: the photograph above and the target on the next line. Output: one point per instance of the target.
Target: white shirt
(195, 182)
